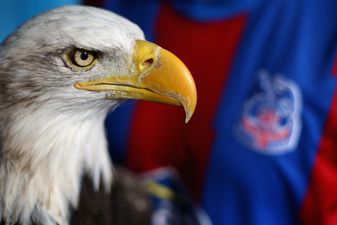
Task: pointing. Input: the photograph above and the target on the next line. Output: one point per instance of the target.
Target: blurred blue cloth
(15, 12)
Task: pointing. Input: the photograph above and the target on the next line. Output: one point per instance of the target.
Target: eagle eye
(82, 58)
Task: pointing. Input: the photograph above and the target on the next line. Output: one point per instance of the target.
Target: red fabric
(97, 3)
(320, 204)
(159, 136)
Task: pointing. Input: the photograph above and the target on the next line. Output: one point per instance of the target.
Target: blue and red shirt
(261, 148)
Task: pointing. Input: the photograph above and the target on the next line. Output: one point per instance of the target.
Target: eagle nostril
(147, 64)
(149, 61)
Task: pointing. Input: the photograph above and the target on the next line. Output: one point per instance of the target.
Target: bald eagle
(60, 74)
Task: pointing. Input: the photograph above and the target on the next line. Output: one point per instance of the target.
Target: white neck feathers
(44, 156)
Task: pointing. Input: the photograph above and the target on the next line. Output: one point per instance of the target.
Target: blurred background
(261, 147)
(14, 13)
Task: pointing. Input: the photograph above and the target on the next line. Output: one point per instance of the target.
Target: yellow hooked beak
(159, 76)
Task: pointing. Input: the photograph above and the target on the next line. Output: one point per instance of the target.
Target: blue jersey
(261, 148)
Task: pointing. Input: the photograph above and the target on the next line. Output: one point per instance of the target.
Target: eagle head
(60, 73)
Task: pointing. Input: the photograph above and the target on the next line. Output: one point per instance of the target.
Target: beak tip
(189, 110)
(187, 118)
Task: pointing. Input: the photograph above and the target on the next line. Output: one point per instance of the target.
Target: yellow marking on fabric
(159, 190)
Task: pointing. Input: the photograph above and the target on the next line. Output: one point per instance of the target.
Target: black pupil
(84, 55)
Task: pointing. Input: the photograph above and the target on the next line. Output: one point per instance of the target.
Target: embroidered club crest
(270, 121)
